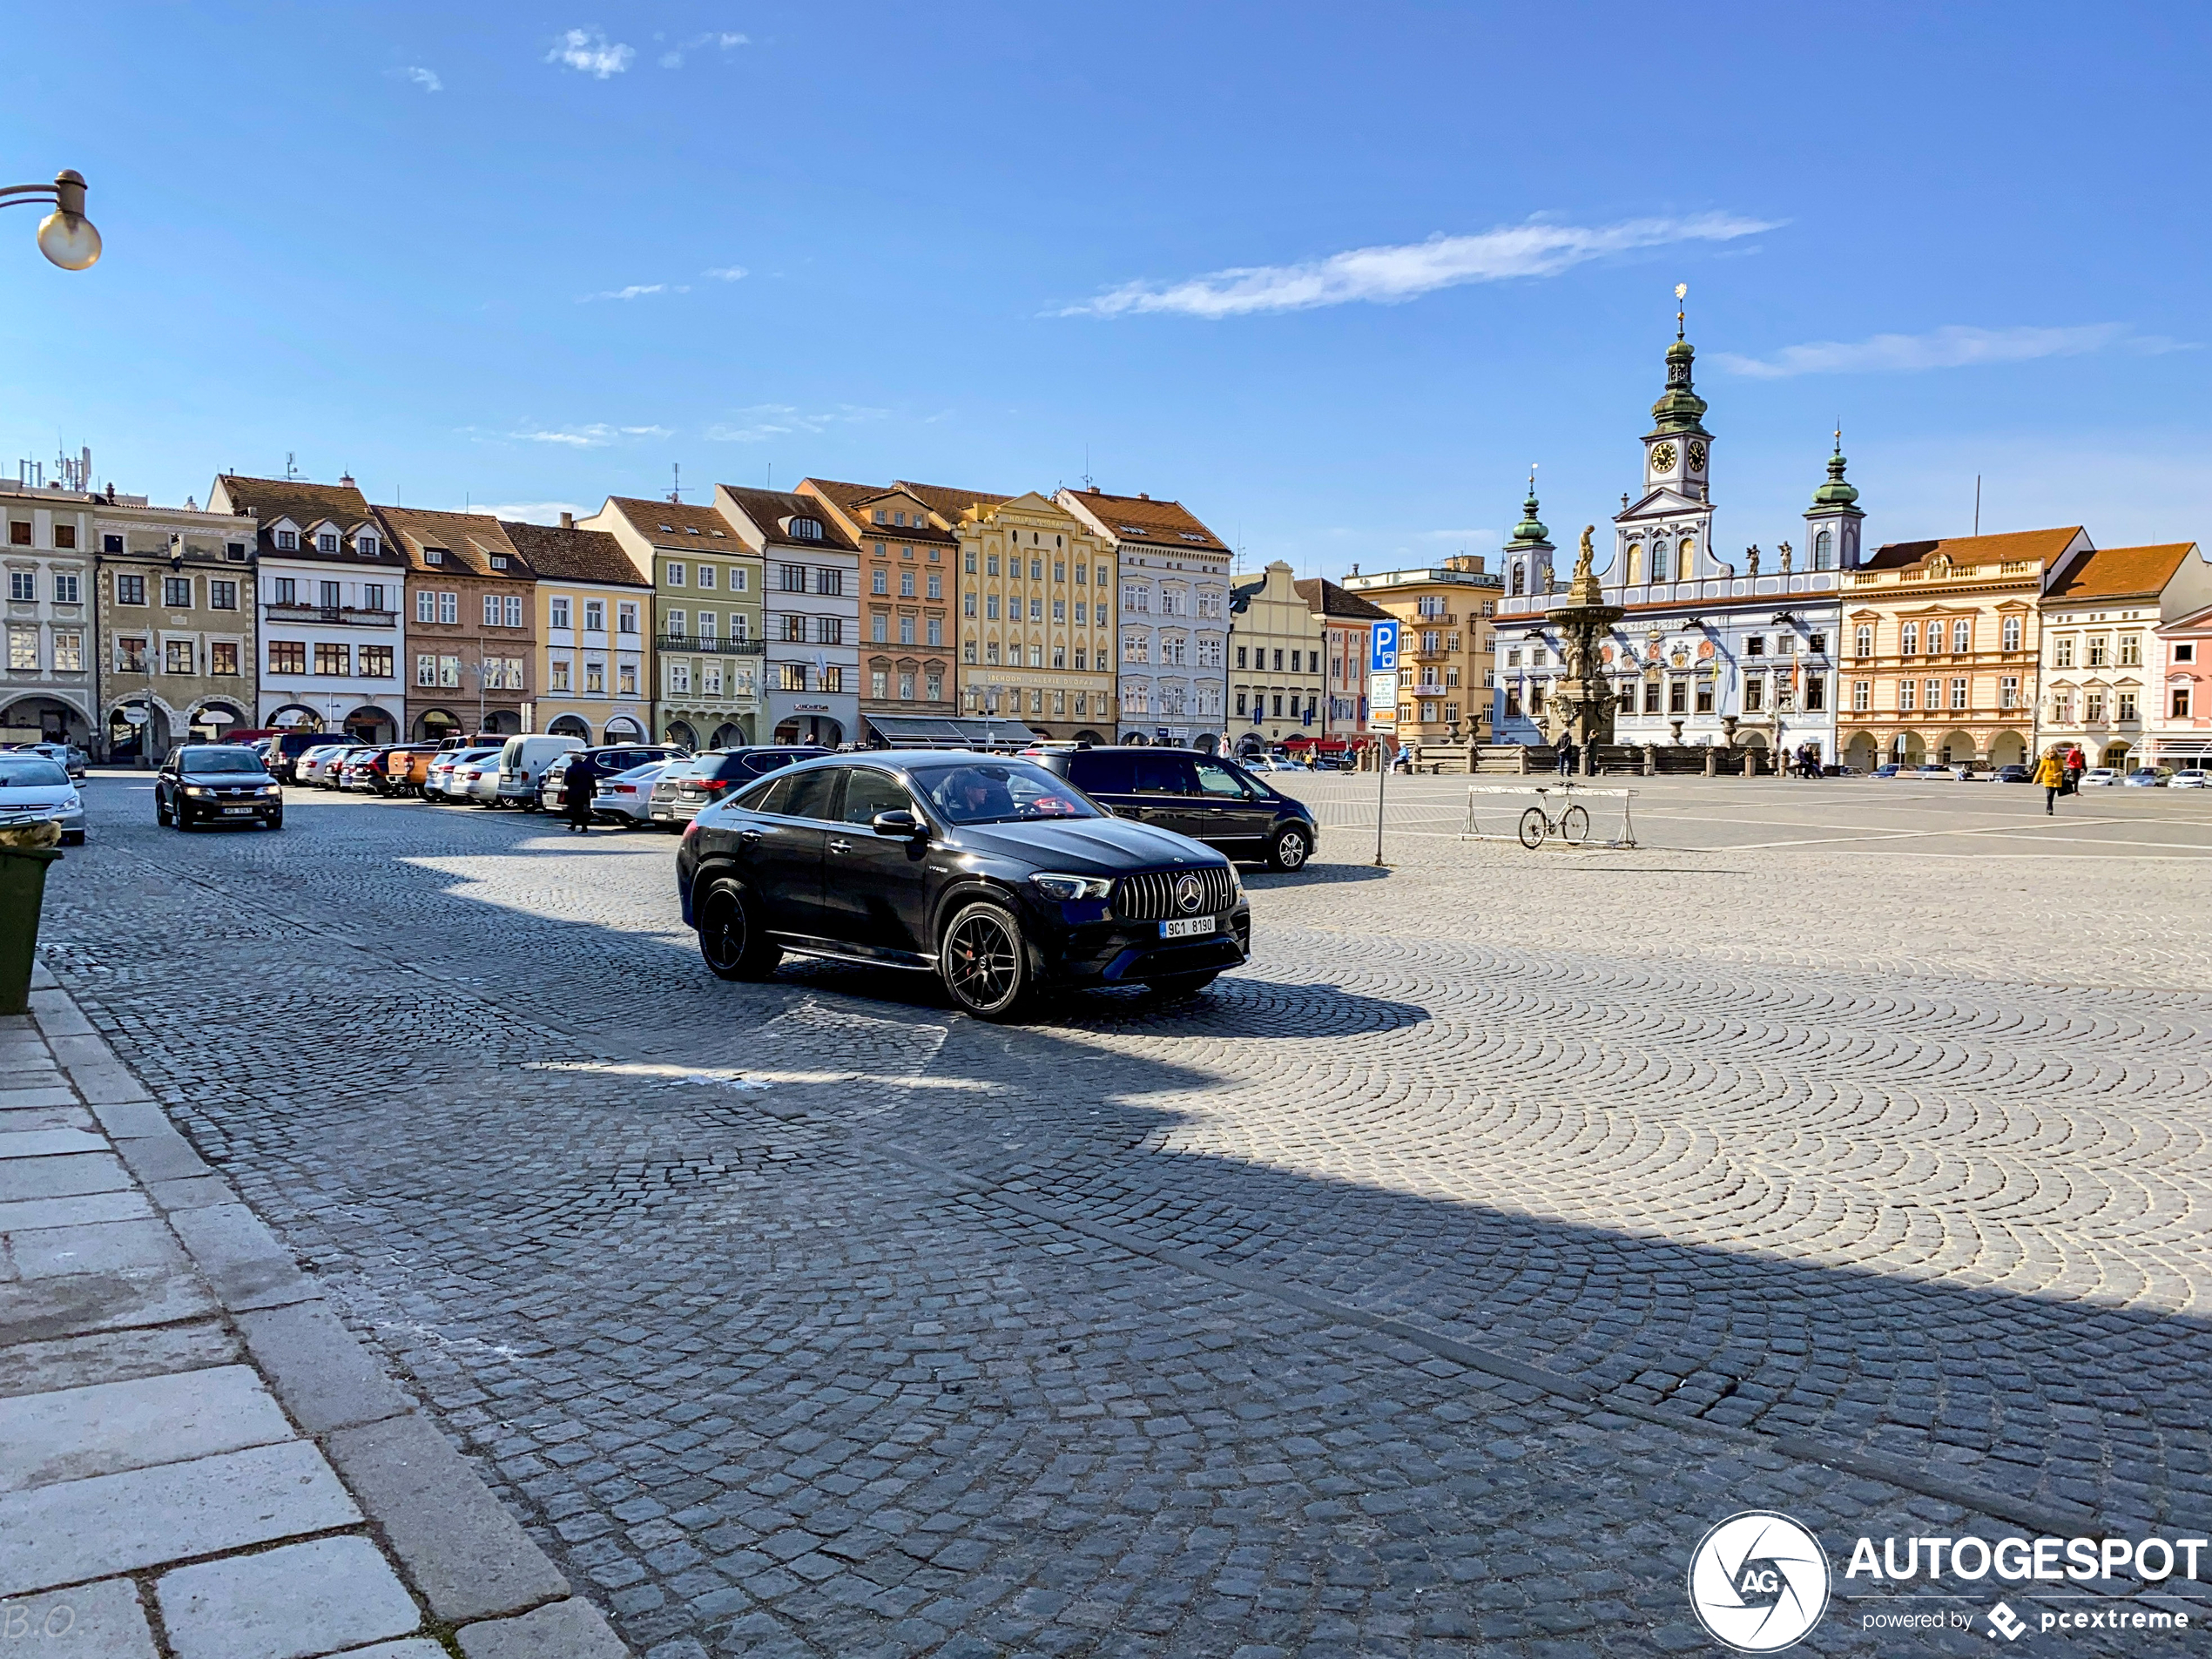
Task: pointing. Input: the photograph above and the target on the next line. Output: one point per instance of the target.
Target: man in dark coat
(578, 789)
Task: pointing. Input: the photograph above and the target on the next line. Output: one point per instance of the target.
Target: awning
(931, 731)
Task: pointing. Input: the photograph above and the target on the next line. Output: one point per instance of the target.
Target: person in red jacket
(2076, 764)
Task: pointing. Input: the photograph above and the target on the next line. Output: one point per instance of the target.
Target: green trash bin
(23, 889)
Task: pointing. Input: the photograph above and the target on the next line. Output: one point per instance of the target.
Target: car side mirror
(899, 825)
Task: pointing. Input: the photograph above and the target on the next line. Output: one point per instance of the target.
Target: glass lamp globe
(69, 240)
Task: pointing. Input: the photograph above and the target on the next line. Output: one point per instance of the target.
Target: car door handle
(840, 846)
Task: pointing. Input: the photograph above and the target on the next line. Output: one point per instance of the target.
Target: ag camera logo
(1758, 1581)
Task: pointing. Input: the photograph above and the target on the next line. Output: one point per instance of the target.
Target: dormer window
(326, 541)
(806, 529)
(366, 546)
(434, 555)
(499, 561)
(287, 542)
(881, 517)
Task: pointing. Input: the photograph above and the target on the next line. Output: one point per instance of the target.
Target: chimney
(567, 521)
(1140, 495)
(346, 481)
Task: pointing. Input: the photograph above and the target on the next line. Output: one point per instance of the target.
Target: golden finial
(1682, 293)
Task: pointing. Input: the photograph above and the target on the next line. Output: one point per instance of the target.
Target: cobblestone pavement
(1429, 1286)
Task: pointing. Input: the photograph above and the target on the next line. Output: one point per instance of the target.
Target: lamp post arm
(13, 195)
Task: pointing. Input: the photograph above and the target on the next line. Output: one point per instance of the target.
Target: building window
(629, 679)
(791, 677)
(287, 541)
(1755, 694)
(512, 608)
(991, 607)
(1958, 693)
(376, 662)
(177, 656)
(595, 679)
(676, 572)
(1962, 637)
(558, 674)
(880, 683)
(23, 650)
(680, 679)
(288, 656)
(491, 611)
(1705, 697)
(334, 659)
(450, 608)
(449, 671)
(2178, 703)
(426, 607)
(2127, 707)
(1863, 640)
(67, 591)
(326, 541)
(1908, 696)
(2092, 707)
(1909, 638)
(130, 655)
(829, 582)
(936, 631)
(880, 582)
(905, 631)
(130, 590)
(1816, 692)
(2062, 652)
(2008, 690)
(1823, 552)
(23, 586)
(426, 669)
(366, 546)
(2100, 650)
(175, 592)
(934, 688)
(222, 596)
(2131, 651)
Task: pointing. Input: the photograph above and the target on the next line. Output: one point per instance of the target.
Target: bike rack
(1568, 794)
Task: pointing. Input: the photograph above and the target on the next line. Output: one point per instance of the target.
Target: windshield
(31, 772)
(1000, 792)
(219, 760)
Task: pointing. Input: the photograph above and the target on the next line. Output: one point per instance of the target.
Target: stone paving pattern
(808, 1318)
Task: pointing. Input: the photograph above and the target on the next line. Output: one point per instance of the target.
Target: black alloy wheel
(983, 961)
(161, 813)
(1290, 849)
(731, 942)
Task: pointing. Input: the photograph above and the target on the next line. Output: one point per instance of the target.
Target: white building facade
(48, 688)
(812, 608)
(1171, 617)
(331, 592)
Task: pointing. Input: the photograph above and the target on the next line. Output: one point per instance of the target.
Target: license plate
(1191, 927)
(237, 811)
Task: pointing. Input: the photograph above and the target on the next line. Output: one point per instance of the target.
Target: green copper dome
(1835, 492)
(1680, 409)
(1531, 528)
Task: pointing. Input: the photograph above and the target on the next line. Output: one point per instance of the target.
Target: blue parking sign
(1382, 648)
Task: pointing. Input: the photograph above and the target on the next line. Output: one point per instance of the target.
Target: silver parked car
(35, 790)
(627, 796)
(438, 786)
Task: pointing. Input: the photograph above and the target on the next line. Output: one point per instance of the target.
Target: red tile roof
(2044, 546)
(2112, 571)
(1139, 518)
(670, 523)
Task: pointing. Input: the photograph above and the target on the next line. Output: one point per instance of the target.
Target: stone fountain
(1584, 698)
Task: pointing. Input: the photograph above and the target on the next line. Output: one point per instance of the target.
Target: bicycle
(1572, 826)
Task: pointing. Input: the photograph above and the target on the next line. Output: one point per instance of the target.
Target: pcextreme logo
(1758, 1581)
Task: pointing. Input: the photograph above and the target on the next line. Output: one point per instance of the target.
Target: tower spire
(1681, 294)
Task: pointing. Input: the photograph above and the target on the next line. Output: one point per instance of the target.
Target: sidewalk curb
(486, 1584)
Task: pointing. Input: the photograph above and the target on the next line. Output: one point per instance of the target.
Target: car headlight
(267, 789)
(196, 789)
(1067, 888)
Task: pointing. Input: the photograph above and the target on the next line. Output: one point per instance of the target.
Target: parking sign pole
(1382, 781)
(1382, 693)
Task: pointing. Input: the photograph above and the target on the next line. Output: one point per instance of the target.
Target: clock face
(1663, 458)
(1697, 457)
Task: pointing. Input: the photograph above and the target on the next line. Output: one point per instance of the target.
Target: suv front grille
(1151, 897)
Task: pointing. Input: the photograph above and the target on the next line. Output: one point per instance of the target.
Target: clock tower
(1665, 535)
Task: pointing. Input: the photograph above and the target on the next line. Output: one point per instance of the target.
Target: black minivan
(1206, 797)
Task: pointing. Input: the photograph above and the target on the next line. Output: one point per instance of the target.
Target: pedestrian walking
(2051, 774)
(579, 789)
(2076, 764)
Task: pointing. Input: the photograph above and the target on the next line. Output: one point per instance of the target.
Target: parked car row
(35, 788)
(71, 759)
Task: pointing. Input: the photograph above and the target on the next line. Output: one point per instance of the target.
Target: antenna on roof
(291, 471)
(676, 481)
(1977, 504)
(1088, 484)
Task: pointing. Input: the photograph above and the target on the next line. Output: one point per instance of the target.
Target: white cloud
(1955, 347)
(426, 78)
(635, 290)
(532, 512)
(673, 58)
(766, 420)
(1391, 274)
(726, 272)
(588, 50)
(594, 436)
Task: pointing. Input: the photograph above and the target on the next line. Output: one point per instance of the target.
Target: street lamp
(65, 236)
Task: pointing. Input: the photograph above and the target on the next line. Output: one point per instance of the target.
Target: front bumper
(1084, 949)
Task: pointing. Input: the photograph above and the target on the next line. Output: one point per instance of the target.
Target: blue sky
(1332, 276)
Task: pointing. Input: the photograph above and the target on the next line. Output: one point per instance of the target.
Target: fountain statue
(1583, 702)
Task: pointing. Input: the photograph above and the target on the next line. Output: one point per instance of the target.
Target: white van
(522, 762)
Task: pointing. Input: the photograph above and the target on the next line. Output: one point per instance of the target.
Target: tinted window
(813, 794)
(1103, 771)
(730, 766)
(220, 760)
(767, 798)
(1162, 774)
(997, 791)
(1217, 780)
(869, 793)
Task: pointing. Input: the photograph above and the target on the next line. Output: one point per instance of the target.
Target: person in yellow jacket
(2051, 774)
